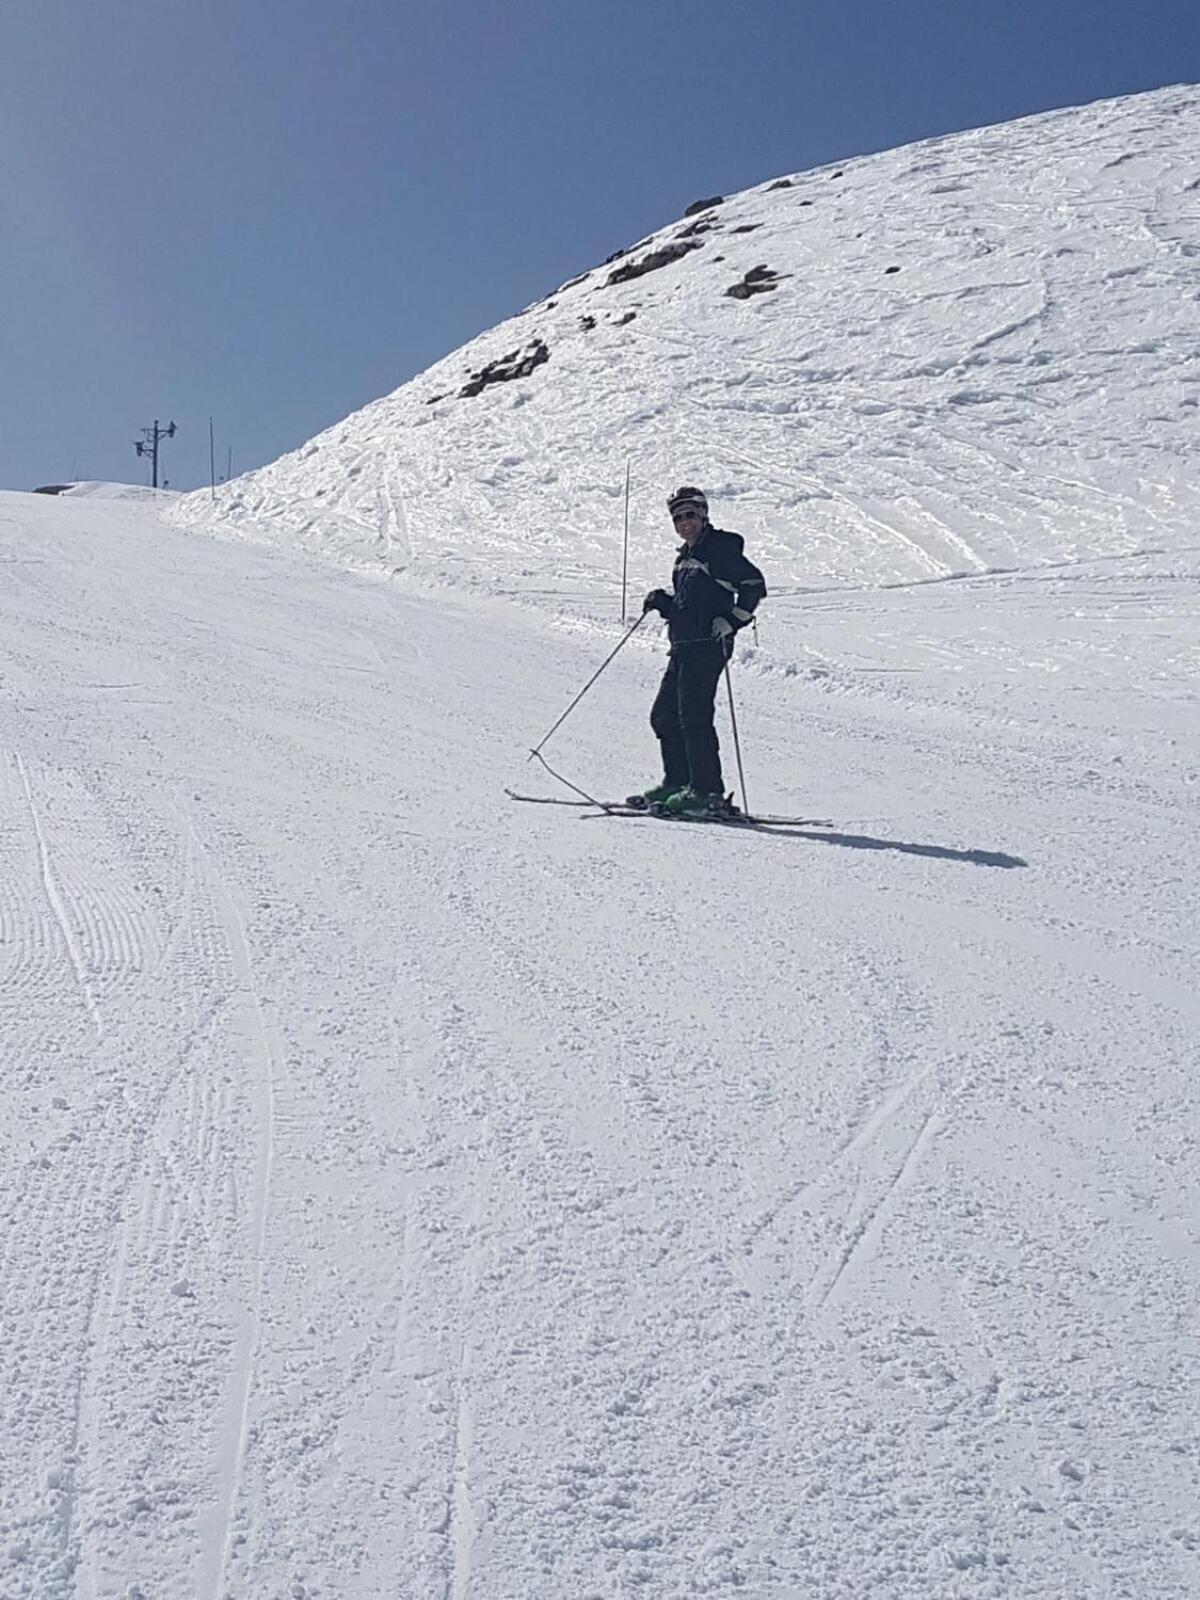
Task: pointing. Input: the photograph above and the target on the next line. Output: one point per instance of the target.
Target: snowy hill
(120, 491)
(980, 352)
(404, 1192)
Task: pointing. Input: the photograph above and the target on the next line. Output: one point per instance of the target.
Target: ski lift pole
(737, 744)
(625, 638)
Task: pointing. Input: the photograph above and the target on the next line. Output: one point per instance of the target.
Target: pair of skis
(621, 808)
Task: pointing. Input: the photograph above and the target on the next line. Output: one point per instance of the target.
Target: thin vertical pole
(212, 462)
(229, 464)
(625, 554)
(737, 743)
(154, 455)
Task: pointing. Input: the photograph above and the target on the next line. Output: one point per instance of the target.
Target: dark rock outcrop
(662, 257)
(517, 364)
(759, 280)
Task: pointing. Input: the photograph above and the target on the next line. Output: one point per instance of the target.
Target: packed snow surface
(409, 1192)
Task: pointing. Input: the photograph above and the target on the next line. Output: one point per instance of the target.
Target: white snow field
(405, 1192)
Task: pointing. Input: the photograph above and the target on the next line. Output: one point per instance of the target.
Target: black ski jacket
(713, 579)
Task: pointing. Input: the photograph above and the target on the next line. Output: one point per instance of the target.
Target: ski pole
(625, 639)
(737, 745)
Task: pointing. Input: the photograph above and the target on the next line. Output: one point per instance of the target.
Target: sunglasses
(685, 516)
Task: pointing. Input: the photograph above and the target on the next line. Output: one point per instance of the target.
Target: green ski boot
(691, 802)
(650, 798)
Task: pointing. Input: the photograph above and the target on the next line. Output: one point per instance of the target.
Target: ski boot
(649, 798)
(691, 802)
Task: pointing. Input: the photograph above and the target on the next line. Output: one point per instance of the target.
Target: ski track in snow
(405, 1192)
(263, 1056)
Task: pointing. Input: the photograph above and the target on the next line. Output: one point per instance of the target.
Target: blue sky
(276, 212)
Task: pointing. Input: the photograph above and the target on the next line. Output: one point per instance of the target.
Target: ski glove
(722, 628)
(657, 600)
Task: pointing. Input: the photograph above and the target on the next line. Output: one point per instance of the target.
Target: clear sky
(275, 211)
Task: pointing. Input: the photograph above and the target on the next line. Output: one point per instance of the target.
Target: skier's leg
(664, 719)
(700, 673)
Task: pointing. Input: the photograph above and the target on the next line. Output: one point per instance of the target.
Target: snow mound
(979, 352)
(118, 491)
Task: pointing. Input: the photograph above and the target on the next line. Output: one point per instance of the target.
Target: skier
(715, 591)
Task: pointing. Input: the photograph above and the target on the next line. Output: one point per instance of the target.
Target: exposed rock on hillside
(759, 280)
(516, 364)
(662, 257)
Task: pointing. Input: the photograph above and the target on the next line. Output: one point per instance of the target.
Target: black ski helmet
(687, 495)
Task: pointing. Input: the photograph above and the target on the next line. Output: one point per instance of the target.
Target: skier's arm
(750, 587)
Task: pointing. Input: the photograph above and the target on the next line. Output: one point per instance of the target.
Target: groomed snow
(404, 1192)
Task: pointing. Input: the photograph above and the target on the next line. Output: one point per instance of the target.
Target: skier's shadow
(863, 841)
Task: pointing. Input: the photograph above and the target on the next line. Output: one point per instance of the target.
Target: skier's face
(689, 524)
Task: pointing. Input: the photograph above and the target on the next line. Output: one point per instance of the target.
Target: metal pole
(737, 744)
(625, 556)
(212, 463)
(624, 640)
(154, 453)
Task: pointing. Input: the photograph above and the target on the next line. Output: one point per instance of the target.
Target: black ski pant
(682, 716)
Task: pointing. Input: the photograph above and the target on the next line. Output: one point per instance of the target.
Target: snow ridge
(947, 339)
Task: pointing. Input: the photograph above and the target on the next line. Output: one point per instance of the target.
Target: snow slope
(408, 1193)
(982, 352)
